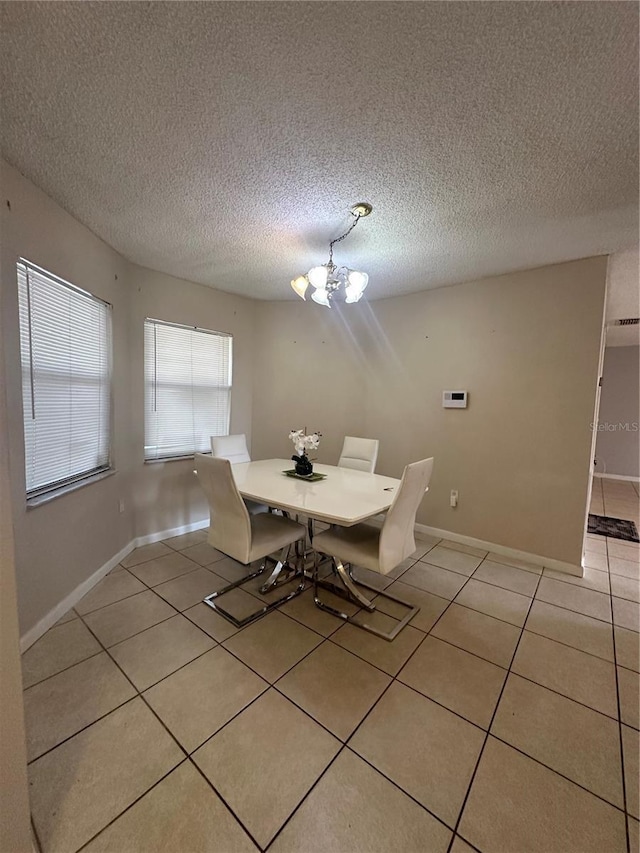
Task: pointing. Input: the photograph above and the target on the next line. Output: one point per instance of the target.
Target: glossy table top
(345, 497)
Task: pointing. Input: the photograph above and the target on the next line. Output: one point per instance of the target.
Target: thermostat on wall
(454, 399)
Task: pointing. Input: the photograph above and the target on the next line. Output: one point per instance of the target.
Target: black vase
(303, 465)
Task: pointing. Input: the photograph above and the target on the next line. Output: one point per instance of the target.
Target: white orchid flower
(303, 442)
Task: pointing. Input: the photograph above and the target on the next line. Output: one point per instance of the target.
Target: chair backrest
(397, 540)
(359, 453)
(230, 526)
(231, 447)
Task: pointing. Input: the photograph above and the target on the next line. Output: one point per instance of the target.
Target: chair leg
(350, 585)
(212, 600)
(351, 593)
(281, 566)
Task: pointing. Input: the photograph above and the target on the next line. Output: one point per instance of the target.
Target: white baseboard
(524, 556)
(167, 534)
(617, 477)
(41, 627)
(513, 553)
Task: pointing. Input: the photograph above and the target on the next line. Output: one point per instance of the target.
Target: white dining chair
(359, 453)
(247, 538)
(231, 447)
(378, 549)
(234, 448)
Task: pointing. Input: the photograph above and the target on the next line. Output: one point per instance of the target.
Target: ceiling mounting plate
(362, 208)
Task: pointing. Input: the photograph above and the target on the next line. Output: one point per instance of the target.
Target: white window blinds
(187, 384)
(65, 345)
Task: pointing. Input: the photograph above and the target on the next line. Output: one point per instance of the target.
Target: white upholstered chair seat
(359, 545)
(270, 533)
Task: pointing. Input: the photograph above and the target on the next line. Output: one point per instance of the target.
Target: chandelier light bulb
(351, 294)
(300, 285)
(358, 279)
(318, 276)
(321, 297)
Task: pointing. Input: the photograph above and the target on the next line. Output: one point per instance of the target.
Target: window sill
(175, 458)
(65, 490)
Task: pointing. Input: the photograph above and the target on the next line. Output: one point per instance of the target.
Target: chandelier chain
(346, 234)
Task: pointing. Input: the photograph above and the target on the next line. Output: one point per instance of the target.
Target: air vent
(629, 321)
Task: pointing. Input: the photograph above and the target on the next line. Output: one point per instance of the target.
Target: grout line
(579, 612)
(400, 788)
(224, 802)
(345, 743)
(141, 631)
(632, 600)
(79, 731)
(576, 580)
(131, 805)
(117, 600)
(482, 612)
(168, 580)
(480, 754)
(568, 645)
(307, 795)
(174, 738)
(60, 671)
(142, 690)
(34, 832)
(468, 843)
(231, 719)
(454, 571)
(621, 809)
(619, 706)
(141, 696)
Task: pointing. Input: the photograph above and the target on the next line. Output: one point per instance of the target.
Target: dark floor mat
(617, 528)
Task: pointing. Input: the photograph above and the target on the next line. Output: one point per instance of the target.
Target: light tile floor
(504, 719)
(616, 498)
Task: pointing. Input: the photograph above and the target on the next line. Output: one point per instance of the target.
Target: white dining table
(345, 497)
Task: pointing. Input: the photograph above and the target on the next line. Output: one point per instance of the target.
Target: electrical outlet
(121, 505)
(453, 499)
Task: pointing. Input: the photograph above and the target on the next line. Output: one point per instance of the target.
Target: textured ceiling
(225, 142)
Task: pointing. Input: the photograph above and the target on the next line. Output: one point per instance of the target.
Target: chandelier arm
(346, 234)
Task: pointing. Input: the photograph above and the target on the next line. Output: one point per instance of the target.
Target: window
(65, 347)
(187, 388)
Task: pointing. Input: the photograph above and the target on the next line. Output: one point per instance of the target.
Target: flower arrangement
(303, 442)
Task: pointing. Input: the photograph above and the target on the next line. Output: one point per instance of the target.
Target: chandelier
(327, 279)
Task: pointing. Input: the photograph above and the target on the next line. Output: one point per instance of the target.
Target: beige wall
(62, 543)
(167, 495)
(15, 832)
(617, 449)
(525, 346)
(308, 372)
